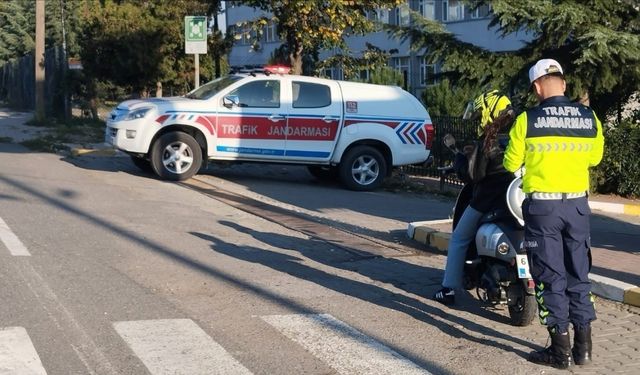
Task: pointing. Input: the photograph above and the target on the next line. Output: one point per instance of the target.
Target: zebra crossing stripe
(11, 241)
(342, 347)
(17, 354)
(177, 346)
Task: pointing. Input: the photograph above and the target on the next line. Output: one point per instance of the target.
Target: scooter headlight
(503, 248)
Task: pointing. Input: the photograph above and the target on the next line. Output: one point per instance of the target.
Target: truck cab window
(262, 94)
(310, 95)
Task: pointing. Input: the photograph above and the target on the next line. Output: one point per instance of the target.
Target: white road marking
(177, 346)
(11, 241)
(343, 348)
(17, 354)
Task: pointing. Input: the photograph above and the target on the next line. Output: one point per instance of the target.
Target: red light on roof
(277, 69)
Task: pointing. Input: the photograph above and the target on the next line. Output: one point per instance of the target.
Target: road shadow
(403, 275)
(277, 182)
(253, 288)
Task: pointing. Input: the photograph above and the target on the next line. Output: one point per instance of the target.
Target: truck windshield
(211, 88)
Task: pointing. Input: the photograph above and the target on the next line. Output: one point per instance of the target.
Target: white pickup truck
(354, 131)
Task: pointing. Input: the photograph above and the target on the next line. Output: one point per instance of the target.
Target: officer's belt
(553, 196)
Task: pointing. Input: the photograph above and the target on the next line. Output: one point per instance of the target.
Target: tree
(138, 43)
(371, 60)
(446, 99)
(218, 44)
(17, 29)
(307, 26)
(596, 41)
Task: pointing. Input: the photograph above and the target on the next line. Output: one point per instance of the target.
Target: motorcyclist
(490, 182)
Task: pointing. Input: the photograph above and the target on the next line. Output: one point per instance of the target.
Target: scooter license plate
(523, 266)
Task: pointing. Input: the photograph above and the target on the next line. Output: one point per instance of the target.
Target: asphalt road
(106, 270)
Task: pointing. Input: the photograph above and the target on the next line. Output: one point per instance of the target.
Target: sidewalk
(615, 235)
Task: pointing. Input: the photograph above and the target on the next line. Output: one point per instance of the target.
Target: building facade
(469, 26)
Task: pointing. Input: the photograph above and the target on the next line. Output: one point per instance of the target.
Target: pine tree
(17, 29)
(597, 42)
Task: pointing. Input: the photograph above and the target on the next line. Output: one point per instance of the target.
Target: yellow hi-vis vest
(557, 142)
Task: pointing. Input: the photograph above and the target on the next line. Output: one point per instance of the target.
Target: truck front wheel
(176, 156)
(363, 168)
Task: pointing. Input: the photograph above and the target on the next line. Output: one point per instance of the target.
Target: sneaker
(446, 296)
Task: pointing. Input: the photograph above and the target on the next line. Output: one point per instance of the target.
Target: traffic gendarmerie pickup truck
(355, 131)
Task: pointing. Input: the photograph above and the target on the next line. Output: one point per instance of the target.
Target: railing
(463, 130)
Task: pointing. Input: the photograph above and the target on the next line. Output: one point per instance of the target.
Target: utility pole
(65, 63)
(39, 61)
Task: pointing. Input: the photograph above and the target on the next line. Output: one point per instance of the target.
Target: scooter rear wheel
(524, 308)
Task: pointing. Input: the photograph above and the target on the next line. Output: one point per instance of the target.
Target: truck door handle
(276, 118)
(330, 118)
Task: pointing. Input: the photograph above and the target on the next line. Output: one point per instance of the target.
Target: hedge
(619, 171)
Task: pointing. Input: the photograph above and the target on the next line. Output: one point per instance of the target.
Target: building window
(403, 17)
(334, 73)
(452, 10)
(402, 65)
(475, 13)
(379, 15)
(481, 11)
(270, 32)
(242, 34)
(427, 9)
(427, 73)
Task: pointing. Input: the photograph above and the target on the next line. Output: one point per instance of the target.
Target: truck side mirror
(230, 100)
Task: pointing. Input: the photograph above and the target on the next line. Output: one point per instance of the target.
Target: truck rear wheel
(176, 156)
(363, 168)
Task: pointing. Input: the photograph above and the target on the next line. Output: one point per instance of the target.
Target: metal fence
(17, 82)
(463, 130)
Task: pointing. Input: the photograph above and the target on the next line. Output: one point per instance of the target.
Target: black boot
(582, 345)
(557, 355)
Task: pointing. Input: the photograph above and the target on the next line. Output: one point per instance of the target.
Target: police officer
(490, 182)
(557, 142)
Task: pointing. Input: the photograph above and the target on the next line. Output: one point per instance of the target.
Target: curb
(616, 208)
(601, 286)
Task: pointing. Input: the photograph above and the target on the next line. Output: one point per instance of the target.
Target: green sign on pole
(195, 34)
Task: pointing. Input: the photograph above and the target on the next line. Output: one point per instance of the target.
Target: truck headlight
(137, 113)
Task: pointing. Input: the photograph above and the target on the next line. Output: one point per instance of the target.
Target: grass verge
(75, 131)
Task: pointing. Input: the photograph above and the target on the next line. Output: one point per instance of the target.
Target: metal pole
(39, 61)
(197, 75)
(65, 64)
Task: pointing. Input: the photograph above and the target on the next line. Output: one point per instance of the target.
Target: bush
(619, 170)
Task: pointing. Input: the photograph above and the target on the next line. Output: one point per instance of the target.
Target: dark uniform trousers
(558, 247)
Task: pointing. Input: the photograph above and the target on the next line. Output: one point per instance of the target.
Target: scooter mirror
(449, 140)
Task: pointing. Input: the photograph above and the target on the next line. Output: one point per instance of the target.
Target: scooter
(496, 263)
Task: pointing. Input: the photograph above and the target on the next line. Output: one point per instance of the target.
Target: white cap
(544, 67)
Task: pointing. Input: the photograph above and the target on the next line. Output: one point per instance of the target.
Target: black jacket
(490, 179)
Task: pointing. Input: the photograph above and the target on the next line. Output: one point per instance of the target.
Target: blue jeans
(461, 237)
